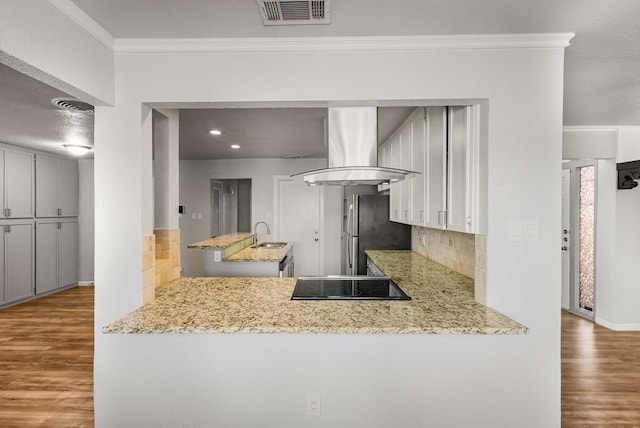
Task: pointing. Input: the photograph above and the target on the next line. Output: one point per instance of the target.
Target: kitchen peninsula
(237, 254)
(442, 303)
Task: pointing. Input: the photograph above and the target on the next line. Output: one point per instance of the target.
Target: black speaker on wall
(628, 173)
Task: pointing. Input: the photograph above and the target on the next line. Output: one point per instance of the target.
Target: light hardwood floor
(46, 367)
(46, 361)
(600, 375)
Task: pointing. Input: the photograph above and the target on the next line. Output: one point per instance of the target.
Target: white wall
(195, 195)
(617, 226)
(166, 140)
(625, 314)
(86, 220)
(37, 39)
(403, 380)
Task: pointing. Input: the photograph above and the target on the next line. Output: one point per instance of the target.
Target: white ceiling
(602, 65)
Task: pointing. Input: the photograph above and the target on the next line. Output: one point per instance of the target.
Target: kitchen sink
(273, 245)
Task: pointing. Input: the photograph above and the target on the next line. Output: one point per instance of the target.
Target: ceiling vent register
(295, 12)
(71, 104)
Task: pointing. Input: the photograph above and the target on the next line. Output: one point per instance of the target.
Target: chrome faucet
(255, 231)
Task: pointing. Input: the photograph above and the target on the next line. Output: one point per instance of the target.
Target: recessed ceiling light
(215, 132)
(235, 146)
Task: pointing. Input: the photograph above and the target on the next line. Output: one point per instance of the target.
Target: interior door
(297, 219)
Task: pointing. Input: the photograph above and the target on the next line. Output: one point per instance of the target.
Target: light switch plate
(531, 230)
(515, 230)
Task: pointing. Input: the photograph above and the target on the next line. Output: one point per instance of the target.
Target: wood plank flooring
(600, 375)
(46, 367)
(46, 361)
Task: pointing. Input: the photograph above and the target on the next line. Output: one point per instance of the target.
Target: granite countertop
(253, 254)
(442, 303)
(222, 241)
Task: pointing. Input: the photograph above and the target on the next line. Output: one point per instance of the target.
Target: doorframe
(574, 241)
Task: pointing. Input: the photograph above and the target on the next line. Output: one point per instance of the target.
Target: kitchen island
(442, 303)
(237, 254)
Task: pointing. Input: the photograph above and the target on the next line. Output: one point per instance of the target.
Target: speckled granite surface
(442, 304)
(222, 241)
(251, 254)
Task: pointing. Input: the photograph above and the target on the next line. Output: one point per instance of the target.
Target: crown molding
(315, 44)
(78, 16)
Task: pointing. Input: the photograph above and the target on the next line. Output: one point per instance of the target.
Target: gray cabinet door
(19, 261)
(3, 291)
(68, 253)
(68, 188)
(46, 187)
(18, 173)
(46, 257)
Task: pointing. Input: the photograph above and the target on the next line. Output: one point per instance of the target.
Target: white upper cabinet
(436, 165)
(405, 163)
(417, 127)
(459, 172)
(17, 184)
(56, 187)
(395, 209)
(442, 144)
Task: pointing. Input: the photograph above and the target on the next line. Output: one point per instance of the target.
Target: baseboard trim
(85, 283)
(617, 327)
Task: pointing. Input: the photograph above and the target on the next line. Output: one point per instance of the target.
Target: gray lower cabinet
(56, 254)
(17, 261)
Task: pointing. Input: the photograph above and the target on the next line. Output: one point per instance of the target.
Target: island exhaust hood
(353, 151)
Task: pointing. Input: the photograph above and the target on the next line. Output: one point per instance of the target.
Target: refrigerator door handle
(353, 251)
(349, 220)
(349, 238)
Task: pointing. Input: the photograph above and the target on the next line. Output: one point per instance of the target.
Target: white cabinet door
(417, 163)
(395, 208)
(46, 256)
(436, 165)
(46, 187)
(18, 180)
(68, 188)
(67, 253)
(18, 261)
(458, 201)
(405, 163)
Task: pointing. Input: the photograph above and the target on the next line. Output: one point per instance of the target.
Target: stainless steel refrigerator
(369, 228)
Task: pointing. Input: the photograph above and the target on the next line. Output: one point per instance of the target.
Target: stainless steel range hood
(353, 151)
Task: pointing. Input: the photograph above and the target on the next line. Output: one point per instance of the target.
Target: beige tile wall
(160, 261)
(480, 277)
(462, 252)
(148, 268)
(167, 255)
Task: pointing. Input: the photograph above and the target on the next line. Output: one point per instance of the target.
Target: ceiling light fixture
(235, 146)
(215, 132)
(77, 150)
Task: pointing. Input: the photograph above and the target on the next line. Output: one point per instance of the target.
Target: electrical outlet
(217, 256)
(313, 405)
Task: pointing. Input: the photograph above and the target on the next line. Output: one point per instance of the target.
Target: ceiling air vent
(71, 104)
(295, 12)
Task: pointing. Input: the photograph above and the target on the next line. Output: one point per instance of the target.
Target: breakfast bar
(441, 303)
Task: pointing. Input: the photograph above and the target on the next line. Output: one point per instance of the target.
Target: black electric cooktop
(347, 288)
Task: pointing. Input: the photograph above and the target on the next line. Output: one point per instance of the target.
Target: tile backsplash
(462, 252)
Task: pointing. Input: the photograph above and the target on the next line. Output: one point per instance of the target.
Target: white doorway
(297, 208)
(578, 243)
